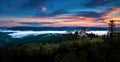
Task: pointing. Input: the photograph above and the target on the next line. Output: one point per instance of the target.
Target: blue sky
(58, 12)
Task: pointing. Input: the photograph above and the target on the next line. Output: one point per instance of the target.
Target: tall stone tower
(82, 33)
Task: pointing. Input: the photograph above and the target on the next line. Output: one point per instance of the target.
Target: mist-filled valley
(58, 44)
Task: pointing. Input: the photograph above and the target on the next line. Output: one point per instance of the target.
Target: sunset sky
(59, 12)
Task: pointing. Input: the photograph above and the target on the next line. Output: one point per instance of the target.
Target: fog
(20, 34)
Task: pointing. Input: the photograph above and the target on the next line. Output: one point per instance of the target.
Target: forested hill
(55, 28)
(99, 49)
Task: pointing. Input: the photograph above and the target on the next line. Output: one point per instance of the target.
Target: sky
(58, 13)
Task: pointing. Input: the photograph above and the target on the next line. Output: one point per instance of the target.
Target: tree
(111, 27)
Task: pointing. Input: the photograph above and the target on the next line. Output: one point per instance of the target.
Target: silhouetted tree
(111, 27)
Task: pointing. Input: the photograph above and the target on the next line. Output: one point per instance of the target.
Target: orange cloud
(112, 15)
(117, 20)
(72, 21)
(77, 21)
(113, 12)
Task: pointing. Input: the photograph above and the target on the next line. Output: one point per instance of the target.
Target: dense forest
(61, 48)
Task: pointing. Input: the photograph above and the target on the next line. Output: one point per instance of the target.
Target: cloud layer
(59, 12)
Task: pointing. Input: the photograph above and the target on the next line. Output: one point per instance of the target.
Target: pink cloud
(43, 8)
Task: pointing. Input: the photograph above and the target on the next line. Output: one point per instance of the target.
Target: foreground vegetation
(71, 49)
